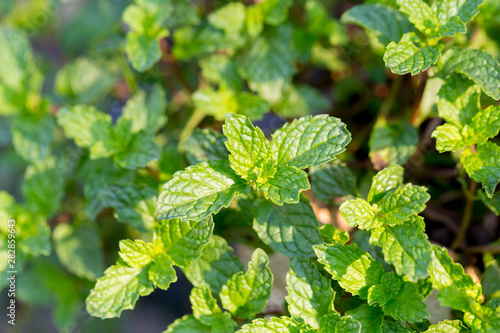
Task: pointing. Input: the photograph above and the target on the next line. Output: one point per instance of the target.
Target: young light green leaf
(230, 18)
(184, 240)
(285, 185)
(275, 324)
(289, 229)
(492, 203)
(384, 181)
(482, 165)
(397, 206)
(215, 267)
(411, 55)
(334, 323)
(268, 63)
(447, 326)
(332, 180)
(118, 290)
(140, 150)
(353, 268)
(246, 294)
(421, 15)
(203, 303)
(359, 213)
(309, 141)
(370, 318)
(274, 12)
(310, 295)
(161, 271)
(136, 253)
(199, 191)
(330, 234)
(456, 289)
(406, 247)
(384, 22)
(392, 143)
(460, 12)
(449, 138)
(250, 154)
(146, 110)
(408, 305)
(85, 124)
(205, 145)
(477, 65)
(216, 103)
(78, 250)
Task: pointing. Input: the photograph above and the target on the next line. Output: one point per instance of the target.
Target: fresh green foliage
(211, 140)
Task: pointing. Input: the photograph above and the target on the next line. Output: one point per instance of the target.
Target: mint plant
(163, 139)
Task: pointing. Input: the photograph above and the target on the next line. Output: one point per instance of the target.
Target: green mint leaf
(249, 149)
(334, 323)
(384, 22)
(411, 55)
(458, 13)
(146, 110)
(205, 145)
(370, 318)
(397, 206)
(275, 324)
(285, 185)
(299, 101)
(490, 281)
(392, 143)
(353, 268)
(199, 191)
(78, 250)
(275, 12)
(215, 103)
(20, 80)
(203, 303)
(447, 326)
(184, 13)
(486, 124)
(268, 63)
(406, 247)
(477, 65)
(161, 271)
(407, 305)
(33, 233)
(456, 289)
(309, 141)
(85, 124)
(188, 324)
(215, 267)
(230, 18)
(359, 213)
(145, 21)
(482, 165)
(252, 106)
(118, 290)
(136, 253)
(421, 15)
(43, 187)
(85, 80)
(310, 295)
(458, 100)
(221, 70)
(139, 152)
(449, 138)
(330, 234)
(246, 294)
(133, 204)
(387, 289)
(384, 181)
(395, 327)
(32, 137)
(332, 180)
(289, 229)
(184, 240)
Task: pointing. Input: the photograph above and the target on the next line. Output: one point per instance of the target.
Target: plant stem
(128, 75)
(416, 106)
(466, 219)
(386, 107)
